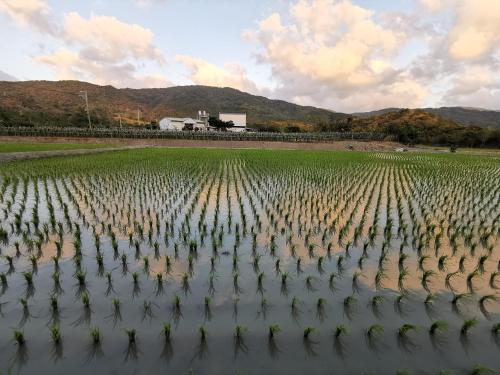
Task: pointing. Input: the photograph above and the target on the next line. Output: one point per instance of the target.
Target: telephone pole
(84, 95)
(138, 117)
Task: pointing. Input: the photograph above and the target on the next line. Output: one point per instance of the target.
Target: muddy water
(289, 208)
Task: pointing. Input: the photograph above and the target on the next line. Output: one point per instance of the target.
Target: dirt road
(339, 145)
(15, 156)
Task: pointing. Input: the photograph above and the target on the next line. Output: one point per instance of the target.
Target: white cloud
(337, 53)
(148, 3)
(100, 49)
(71, 65)
(33, 13)
(105, 38)
(476, 34)
(329, 40)
(202, 72)
(463, 63)
(435, 5)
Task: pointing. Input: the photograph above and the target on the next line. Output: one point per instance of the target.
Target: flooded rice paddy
(250, 262)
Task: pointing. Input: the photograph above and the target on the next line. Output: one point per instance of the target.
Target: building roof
(180, 119)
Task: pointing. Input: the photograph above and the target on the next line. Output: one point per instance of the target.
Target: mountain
(418, 126)
(469, 116)
(6, 76)
(375, 113)
(416, 118)
(59, 102)
(461, 115)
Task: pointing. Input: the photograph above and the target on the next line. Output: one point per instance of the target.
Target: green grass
(30, 147)
(428, 165)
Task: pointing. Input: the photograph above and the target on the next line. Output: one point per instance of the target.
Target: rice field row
(224, 262)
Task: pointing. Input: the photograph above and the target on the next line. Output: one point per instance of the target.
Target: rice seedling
(147, 310)
(340, 346)
(320, 309)
(86, 300)
(19, 338)
(26, 315)
(203, 334)
(310, 281)
(340, 331)
(484, 300)
(167, 332)
(425, 279)
(331, 282)
(185, 284)
(403, 275)
(350, 303)
(55, 334)
(470, 278)
(263, 308)
(284, 283)
(28, 277)
(375, 304)
(405, 329)
(273, 330)
(379, 279)
(405, 341)
(482, 370)
(81, 278)
(457, 298)
(57, 288)
(116, 314)
(375, 330)
(308, 331)
(493, 280)
(236, 287)
(439, 326)
(207, 309)
(468, 325)
(132, 336)
(239, 340)
(373, 333)
(95, 335)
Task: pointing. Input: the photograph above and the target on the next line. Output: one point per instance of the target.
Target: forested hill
(47, 101)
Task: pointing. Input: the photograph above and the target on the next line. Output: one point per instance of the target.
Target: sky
(344, 55)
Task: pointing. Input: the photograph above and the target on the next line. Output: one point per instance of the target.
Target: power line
(84, 95)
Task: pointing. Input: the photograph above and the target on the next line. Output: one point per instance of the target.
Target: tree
(343, 125)
(219, 124)
(292, 129)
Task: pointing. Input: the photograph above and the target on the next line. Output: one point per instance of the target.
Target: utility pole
(83, 94)
(138, 117)
(120, 117)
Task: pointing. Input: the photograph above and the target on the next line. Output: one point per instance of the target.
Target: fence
(158, 134)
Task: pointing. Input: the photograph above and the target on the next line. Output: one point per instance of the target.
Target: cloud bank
(100, 49)
(330, 53)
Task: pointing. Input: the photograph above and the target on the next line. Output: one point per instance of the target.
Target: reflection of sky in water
(305, 212)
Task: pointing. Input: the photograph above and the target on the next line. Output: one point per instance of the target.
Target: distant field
(27, 147)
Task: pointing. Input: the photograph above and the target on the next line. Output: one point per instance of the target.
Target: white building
(239, 120)
(187, 123)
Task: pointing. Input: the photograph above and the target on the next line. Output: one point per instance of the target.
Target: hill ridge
(59, 99)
